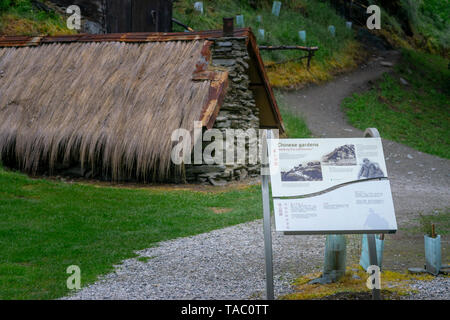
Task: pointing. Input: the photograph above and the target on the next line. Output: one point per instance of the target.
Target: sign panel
(361, 206)
(330, 185)
(306, 166)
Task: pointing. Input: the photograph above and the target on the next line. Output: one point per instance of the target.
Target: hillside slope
(22, 17)
(421, 25)
(337, 53)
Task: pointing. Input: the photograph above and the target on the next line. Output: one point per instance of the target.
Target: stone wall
(238, 111)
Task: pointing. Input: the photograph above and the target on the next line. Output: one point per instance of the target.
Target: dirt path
(420, 182)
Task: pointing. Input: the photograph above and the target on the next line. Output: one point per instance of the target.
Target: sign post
(327, 186)
(376, 294)
(267, 222)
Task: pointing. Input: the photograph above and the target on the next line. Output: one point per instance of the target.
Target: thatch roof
(106, 98)
(99, 101)
(269, 113)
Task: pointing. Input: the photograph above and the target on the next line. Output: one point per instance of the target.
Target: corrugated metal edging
(216, 95)
(217, 89)
(21, 41)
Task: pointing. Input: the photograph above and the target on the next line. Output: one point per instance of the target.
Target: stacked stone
(238, 111)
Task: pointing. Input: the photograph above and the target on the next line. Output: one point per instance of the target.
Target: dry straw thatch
(109, 104)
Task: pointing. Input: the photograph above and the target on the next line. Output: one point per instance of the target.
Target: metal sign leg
(267, 238)
(376, 294)
(267, 222)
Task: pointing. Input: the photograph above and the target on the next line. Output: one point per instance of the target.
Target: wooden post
(310, 55)
(310, 51)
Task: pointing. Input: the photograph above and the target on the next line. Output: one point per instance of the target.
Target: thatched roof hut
(112, 101)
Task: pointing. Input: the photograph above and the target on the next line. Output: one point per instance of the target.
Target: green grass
(45, 226)
(423, 224)
(294, 124)
(309, 15)
(427, 23)
(144, 259)
(430, 23)
(441, 220)
(416, 114)
(19, 17)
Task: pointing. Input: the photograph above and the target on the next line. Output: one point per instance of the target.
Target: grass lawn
(416, 114)
(45, 226)
(294, 124)
(441, 220)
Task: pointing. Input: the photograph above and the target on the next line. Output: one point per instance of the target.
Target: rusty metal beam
(217, 91)
(20, 41)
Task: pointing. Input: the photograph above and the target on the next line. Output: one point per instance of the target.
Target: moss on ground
(394, 285)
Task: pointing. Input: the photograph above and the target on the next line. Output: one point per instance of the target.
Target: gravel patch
(436, 289)
(222, 264)
(225, 264)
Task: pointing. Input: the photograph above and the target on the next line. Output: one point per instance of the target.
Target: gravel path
(229, 263)
(436, 289)
(222, 264)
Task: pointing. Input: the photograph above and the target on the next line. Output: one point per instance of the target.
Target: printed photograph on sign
(370, 169)
(341, 156)
(306, 166)
(309, 171)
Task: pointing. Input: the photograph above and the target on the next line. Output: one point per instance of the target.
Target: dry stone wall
(238, 111)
